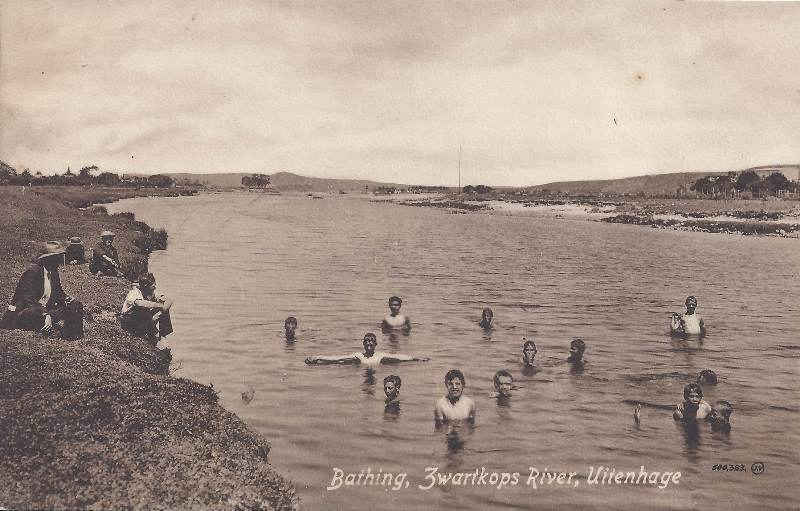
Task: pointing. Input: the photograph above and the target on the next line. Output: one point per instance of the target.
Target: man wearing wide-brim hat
(104, 256)
(39, 302)
(76, 254)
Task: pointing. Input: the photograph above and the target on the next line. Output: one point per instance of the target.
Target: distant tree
(746, 180)
(108, 179)
(256, 181)
(160, 181)
(705, 185)
(777, 182)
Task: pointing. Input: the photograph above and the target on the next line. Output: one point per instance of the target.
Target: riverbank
(99, 422)
(742, 217)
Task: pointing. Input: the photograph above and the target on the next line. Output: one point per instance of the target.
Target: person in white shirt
(688, 323)
(145, 313)
(369, 357)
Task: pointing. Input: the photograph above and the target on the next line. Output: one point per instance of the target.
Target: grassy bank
(99, 423)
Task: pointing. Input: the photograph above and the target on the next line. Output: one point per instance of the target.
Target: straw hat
(107, 234)
(75, 240)
(49, 249)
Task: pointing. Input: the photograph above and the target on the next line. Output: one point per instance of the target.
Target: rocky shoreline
(738, 217)
(100, 423)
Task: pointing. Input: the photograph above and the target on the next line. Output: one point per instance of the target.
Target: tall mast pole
(459, 168)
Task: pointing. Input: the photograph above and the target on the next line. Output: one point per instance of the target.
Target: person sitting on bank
(688, 323)
(394, 320)
(39, 302)
(454, 406)
(693, 407)
(487, 319)
(370, 357)
(76, 253)
(289, 326)
(576, 349)
(146, 313)
(104, 256)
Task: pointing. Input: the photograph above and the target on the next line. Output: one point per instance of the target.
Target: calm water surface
(239, 264)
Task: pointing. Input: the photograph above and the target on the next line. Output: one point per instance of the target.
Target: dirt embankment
(99, 422)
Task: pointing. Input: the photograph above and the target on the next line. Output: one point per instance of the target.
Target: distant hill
(657, 184)
(286, 181)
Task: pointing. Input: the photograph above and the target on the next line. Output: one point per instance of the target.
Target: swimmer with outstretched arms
(370, 357)
(454, 406)
(690, 322)
(487, 319)
(394, 320)
(693, 407)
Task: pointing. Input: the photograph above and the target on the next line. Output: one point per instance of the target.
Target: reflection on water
(240, 264)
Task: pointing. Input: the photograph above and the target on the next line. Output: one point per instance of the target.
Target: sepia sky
(533, 91)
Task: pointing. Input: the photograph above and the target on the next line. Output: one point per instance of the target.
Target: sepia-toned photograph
(357, 255)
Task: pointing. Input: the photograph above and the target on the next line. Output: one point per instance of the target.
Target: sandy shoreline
(99, 422)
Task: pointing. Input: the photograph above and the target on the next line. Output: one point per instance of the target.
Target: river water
(238, 264)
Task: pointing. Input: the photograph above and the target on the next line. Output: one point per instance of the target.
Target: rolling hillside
(656, 184)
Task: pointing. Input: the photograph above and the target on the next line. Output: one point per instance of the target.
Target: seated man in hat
(76, 253)
(39, 302)
(145, 313)
(104, 256)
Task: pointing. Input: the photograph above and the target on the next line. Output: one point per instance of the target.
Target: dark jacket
(100, 250)
(31, 288)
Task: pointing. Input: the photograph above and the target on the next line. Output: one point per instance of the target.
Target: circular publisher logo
(757, 468)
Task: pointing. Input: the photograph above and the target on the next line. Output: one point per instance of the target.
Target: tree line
(86, 176)
(748, 181)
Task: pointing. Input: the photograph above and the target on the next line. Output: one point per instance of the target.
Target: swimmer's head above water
(391, 387)
(691, 304)
(693, 393)
(576, 349)
(503, 382)
(289, 326)
(395, 303)
(487, 316)
(370, 342)
(528, 352)
(455, 383)
(707, 377)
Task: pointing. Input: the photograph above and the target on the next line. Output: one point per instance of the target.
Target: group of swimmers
(455, 406)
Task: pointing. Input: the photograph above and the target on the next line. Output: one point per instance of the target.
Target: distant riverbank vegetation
(89, 175)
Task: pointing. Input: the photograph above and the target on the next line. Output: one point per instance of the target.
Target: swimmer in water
(289, 326)
(720, 416)
(487, 318)
(454, 406)
(370, 357)
(693, 407)
(707, 377)
(391, 387)
(503, 381)
(394, 320)
(688, 323)
(576, 349)
(528, 353)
